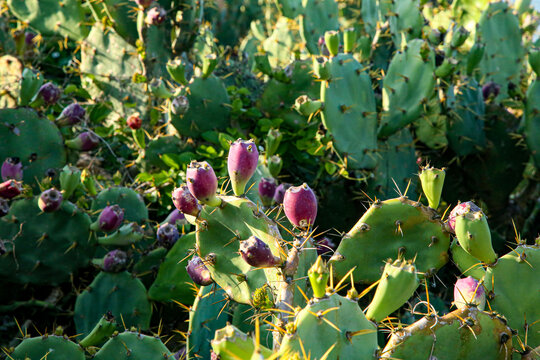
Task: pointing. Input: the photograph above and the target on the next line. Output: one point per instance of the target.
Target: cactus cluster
(272, 179)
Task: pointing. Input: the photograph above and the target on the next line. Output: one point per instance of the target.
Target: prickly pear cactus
(467, 333)
(318, 16)
(126, 198)
(51, 347)
(219, 231)
(35, 140)
(532, 121)
(121, 294)
(44, 248)
(406, 228)
(134, 346)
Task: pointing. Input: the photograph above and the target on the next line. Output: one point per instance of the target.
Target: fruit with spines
(85, 141)
(50, 93)
(267, 189)
(70, 179)
(50, 200)
(115, 261)
(241, 164)
(185, 202)
(257, 253)
(198, 272)
(469, 292)
(71, 115)
(318, 277)
(202, 183)
(134, 121)
(300, 206)
(432, 181)
(10, 188)
(109, 219)
(279, 195)
(398, 283)
(474, 236)
(12, 169)
(460, 209)
(167, 235)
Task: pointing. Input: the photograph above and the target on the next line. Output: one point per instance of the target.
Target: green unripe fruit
(474, 236)
(397, 285)
(70, 179)
(318, 277)
(432, 180)
(305, 106)
(331, 38)
(349, 40)
(177, 70)
(274, 165)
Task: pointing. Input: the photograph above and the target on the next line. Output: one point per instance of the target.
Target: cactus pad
(50, 347)
(134, 346)
(126, 198)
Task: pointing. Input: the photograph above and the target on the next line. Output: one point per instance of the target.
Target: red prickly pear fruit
(134, 121)
(469, 291)
(12, 169)
(10, 188)
(185, 202)
(460, 209)
(267, 189)
(490, 89)
(155, 16)
(202, 183)
(71, 115)
(4, 207)
(85, 141)
(280, 193)
(325, 245)
(242, 163)
(176, 217)
(198, 272)
(115, 261)
(144, 3)
(180, 105)
(167, 235)
(257, 253)
(50, 200)
(300, 206)
(110, 219)
(50, 93)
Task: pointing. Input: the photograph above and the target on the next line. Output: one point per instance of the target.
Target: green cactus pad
(207, 110)
(44, 248)
(396, 165)
(349, 111)
(52, 17)
(36, 141)
(280, 45)
(465, 334)
(50, 347)
(466, 118)
(219, 231)
(513, 281)
(172, 281)
(532, 121)
(207, 315)
(126, 198)
(318, 16)
(405, 20)
(230, 344)
(134, 346)
(122, 15)
(408, 84)
(352, 336)
(504, 52)
(121, 294)
(108, 65)
(387, 230)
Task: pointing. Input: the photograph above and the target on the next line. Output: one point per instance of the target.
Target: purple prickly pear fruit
(267, 189)
(300, 205)
(198, 272)
(185, 202)
(29, 38)
(202, 183)
(155, 16)
(12, 169)
(50, 200)
(490, 89)
(115, 261)
(176, 217)
(144, 3)
(134, 121)
(110, 219)
(50, 93)
(180, 105)
(86, 141)
(167, 235)
(280, 193)
(257, 253)
(71, 115)
(460, 209)
(469, 291)
(10, 188)
(242, 163)
(325, 245)
(4, 207)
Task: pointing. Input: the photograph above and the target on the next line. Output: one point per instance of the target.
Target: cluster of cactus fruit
(137, 221)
